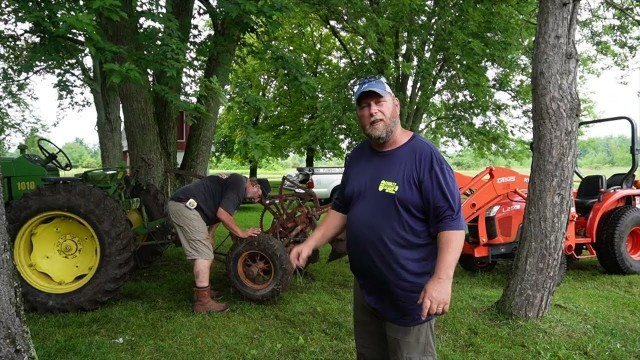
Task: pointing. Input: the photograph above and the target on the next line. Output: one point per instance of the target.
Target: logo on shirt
(388, 186)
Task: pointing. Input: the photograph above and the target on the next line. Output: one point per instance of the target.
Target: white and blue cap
(374, 83)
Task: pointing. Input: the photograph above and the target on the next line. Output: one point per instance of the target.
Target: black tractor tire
(154, 203)
(619, 248)
(259, 267)
(607, 262)
(470, 263)
(72, 246)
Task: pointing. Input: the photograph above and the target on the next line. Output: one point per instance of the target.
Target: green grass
(594, 316)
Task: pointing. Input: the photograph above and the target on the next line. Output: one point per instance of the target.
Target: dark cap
(264, 186)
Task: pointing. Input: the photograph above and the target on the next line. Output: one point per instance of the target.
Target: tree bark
(310, 155)
(253, 169)
(228, 32)
(143, 141)
(15, 338)
(170, 83)
(556, 110)
(108, 123)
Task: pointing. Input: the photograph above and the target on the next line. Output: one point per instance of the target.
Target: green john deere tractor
(76, 239)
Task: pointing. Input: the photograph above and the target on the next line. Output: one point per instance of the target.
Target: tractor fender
(610, 201)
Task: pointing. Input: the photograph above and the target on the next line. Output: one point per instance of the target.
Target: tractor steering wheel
(52, 157)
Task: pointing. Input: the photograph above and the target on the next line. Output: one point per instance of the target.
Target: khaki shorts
(192, 231)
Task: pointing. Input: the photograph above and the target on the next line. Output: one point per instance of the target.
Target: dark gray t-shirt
(224, 191)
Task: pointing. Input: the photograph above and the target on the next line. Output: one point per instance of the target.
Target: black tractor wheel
(619, 248)
(475, 265)
(149, 245)
(73, 247)
(259, 267)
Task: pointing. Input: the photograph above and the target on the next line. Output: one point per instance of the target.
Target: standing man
(196, 210)
(400, 204)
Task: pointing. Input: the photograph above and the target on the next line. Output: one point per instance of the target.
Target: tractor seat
(617, 180)
(589, 192)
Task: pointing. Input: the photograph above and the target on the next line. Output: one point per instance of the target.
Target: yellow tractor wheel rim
(57, 252)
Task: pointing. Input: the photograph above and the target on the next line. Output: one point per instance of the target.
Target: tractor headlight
(492, 211)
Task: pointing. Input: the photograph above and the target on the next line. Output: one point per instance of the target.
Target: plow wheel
(281, 230)
(73, 247)
(259, 267)
(619, 246)
(267, 222)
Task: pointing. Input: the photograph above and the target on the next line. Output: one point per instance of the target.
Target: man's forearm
(330, 227)
(227, 220)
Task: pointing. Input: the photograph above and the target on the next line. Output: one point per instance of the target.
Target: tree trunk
(253, 169)
(109, 123)
(15, 339)
(143, 141)
(310, 155)
(216, 76)
(556, 110)
(141, 130)
(165, 101)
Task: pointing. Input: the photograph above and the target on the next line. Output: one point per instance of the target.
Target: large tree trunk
(556, 110)
(170, 83)
(253, 169)
(109, 123)
(309, 157)
(15, 339)
(228, 32)
(141, 130)
(143, 141)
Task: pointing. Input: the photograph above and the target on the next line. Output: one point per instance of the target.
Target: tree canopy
(277, 72)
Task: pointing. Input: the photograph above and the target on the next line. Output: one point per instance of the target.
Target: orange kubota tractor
(604, 223)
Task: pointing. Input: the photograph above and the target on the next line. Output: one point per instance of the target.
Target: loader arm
(488, 187)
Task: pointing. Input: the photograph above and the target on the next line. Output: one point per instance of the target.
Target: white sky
(611, 99)
(614, 99)
(73, 124)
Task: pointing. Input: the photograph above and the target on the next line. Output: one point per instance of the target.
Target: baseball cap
(265, 186)
(375, 83)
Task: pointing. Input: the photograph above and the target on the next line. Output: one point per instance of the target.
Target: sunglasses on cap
(357, 83)
(375, 83)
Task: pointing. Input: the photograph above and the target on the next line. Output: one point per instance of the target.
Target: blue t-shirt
(396, 203)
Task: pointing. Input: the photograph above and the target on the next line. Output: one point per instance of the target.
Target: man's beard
(382, 135)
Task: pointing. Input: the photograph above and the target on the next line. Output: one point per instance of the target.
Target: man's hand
(329, 228)
(435, 297)
(299, 255)
(250, 232)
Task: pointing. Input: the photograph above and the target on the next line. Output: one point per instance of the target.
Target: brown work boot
(214, 294)
(204, 303)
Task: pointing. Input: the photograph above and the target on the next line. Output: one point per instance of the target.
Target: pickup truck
(324, 181)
